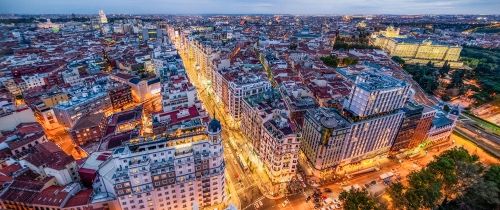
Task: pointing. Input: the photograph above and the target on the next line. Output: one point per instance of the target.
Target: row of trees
(445, 178)
(485, 64)
(454, 180)
(333, 61)
(486, 70)
(427, 76)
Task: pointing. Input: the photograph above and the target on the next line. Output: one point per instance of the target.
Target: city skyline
(172, 111)
(297, 7)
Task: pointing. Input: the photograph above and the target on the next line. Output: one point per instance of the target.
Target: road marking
(246, 187)
(257, 201)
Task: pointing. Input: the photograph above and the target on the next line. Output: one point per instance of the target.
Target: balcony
(139, 162)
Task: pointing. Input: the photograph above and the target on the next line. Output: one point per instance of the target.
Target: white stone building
(167, 172)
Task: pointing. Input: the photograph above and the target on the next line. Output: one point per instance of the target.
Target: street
(249, 184)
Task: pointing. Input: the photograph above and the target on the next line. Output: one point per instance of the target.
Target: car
(373, 182)
(327, 190)
(300, 177)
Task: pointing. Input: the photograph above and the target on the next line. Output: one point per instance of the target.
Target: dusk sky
(251, 6)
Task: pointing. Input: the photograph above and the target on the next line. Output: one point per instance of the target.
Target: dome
(214, 126)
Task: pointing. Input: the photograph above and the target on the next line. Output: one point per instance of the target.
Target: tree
(349, 61)
(446, 108)
(330, 61)
(444, 69)
(396, 191)
(398, 60)
(456, 169)
(457, 79)
(424, 190)
(430, 64)
(355, 199)
(482, 195)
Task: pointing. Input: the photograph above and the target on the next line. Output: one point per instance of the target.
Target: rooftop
(328, 118)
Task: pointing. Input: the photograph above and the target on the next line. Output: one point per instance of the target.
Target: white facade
(324, 136)
(72, 77)
(178, 93)
(279, 149)
(237, 92)
(176, 174)
(374, 94)
(11, 118)
(102, 17)
(372, 136)
(33, 81)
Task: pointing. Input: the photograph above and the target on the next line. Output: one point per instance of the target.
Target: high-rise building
(175, 171)
(411, 119)
(102, 17)
(177, 92)
(414, 128)
(374, 109)
(324, 135)
(94, 101)
(373, 94)
(366, 127)
(423, 127)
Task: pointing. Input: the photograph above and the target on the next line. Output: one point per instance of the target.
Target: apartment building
(365, 128)
(237, 85)
(82, 103)
(412, 115)
(177, 91)
(120, 96)
(373, 94)
(274, 138)
(89, 128)
(183, 170)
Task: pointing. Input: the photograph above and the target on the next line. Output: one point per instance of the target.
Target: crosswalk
(257, 203)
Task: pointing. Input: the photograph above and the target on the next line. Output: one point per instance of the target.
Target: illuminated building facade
(177, 92)
(102, 17)
(324, 134)
(237, 85)
(89, 128)
(423, 127)
(417, 51)
(273, 136)
(120, 96)
(168, 172)
(411, 119)
(94, 101)
(366, 127)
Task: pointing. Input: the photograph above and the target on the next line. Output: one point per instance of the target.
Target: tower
(214, 131)
(102, 17)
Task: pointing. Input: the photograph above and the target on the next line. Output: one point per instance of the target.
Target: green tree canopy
(398, 59)
(355, 199)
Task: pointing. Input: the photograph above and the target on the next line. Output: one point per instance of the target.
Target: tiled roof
(49, 155)
(51, 196)
(80, 199)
